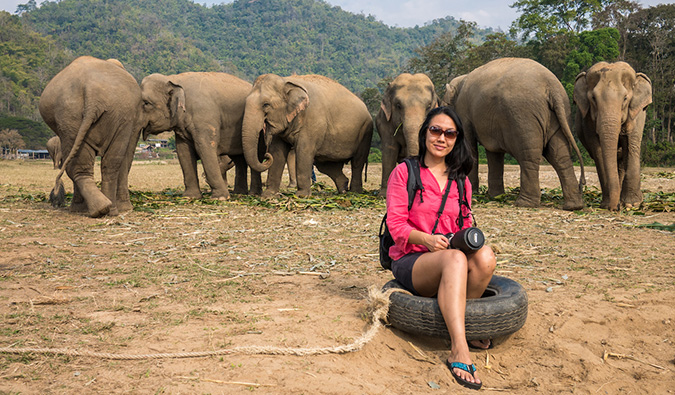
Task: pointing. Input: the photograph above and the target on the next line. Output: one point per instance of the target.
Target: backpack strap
(440, 210)
(463, 202)
(414, 180)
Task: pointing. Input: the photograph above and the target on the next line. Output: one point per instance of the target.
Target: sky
(407, 13)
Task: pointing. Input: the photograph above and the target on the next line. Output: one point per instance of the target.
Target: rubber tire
(500, 312)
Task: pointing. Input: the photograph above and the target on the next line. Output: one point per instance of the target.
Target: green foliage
(661, 154)
(590, 47)
(172, 142)
(35, 134)
(444, 58)
(245, 38)
(544, 19)
(653, 202)
(375, 156)
(322, 199)
(27, 61)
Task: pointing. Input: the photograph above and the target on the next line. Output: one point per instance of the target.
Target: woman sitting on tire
(422, 261)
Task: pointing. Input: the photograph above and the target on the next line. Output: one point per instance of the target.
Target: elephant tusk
(398, 128)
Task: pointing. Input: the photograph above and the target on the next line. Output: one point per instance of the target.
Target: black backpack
(414, 184)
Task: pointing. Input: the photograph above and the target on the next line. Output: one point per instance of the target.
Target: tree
(544, 19)
(651, 49)
(444, 58)
(617, 14)
(30, 6)
(590, 47)
(496, 45)
(10, 142)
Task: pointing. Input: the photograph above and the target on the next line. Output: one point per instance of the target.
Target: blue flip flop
(467, 368)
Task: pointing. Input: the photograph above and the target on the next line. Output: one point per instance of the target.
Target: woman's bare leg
(445, 274)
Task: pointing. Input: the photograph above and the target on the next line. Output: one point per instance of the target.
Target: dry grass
(180, 275)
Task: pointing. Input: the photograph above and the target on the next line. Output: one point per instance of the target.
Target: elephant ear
(452, 89)
(435, 100)
(642, 95)
(297, 100)
(385, 105)
(580, 94)
(176, 103)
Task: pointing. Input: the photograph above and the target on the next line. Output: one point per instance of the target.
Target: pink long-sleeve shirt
(422, 215)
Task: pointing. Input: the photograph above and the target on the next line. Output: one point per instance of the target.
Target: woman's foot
(462, 369)
(480, 344)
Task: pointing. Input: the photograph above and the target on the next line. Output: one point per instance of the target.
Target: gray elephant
(611, 101)
(325, 123)
(94, 107)
(205, 111)
(405, 103)
(54, 149)
(518, 106)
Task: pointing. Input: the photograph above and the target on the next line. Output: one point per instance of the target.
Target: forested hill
(246, 38)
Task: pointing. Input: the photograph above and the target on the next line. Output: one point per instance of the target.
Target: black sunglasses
(436, 131)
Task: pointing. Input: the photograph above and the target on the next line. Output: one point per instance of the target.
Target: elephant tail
(365, 176)
(563, 119)
(57, 195)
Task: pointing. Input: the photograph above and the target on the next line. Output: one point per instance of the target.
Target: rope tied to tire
(378, 307)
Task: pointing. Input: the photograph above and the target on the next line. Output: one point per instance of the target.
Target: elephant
(325, 123)
(54, 149)
(517, 106)
(205, 111)
(290, 165)
(611, 101)
(94, 107)
(404, 105)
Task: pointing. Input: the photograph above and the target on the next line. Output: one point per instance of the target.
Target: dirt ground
(193, 276)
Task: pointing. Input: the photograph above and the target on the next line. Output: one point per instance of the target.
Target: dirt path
(201, 277)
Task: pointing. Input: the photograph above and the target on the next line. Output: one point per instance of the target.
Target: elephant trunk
(410, 129)
(253, 124)
(609, 142)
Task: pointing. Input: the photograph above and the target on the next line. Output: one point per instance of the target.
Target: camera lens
(469, 239)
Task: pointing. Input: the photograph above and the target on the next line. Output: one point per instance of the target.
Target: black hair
(460, 160)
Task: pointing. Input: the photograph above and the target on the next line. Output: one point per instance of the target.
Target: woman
(422, 261)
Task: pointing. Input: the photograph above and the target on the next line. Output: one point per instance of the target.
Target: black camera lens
(468, 240)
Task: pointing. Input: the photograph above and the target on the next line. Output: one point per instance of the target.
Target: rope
(378, 306)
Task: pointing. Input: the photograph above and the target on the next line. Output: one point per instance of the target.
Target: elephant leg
(78, 205)
(530, 193)
(256, 180)
(81, 171)
(359, 162)
(123, 199)
(557, 153)
(334, 171)
(187, 157)
(595, 150)
(304, 163)
(290, 163)
(470, 134)
(209, 156)
(279, 151)
(241, 175)
(631, 192)
(389, 158)
(225, 163)
(495, 173)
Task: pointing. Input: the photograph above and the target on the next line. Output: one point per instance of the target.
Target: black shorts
(402, 271)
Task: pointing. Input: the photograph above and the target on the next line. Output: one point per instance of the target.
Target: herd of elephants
(509, 105)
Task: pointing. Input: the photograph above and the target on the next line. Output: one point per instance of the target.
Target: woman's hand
(432, 242)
